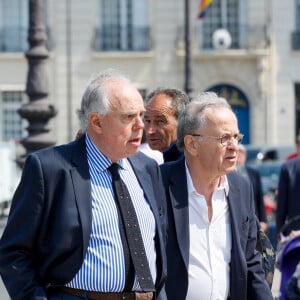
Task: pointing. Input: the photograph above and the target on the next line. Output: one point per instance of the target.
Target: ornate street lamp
(39, 110)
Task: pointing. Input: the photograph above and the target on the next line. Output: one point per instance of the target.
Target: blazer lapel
(82, 187)
(233, 200)
(238, 268)
(179, 201)
(235, 197)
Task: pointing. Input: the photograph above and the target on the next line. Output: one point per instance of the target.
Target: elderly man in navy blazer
(288, 199)
(212, 225)
(63, 236)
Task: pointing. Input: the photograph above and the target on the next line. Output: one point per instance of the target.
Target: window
(12, 126)
(221, 14)
(123, 26)
(297, 15)
(297, 107)
(13, 25)
(296, 33)
(246, 32)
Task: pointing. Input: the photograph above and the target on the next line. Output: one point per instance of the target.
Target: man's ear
(95, 121)
(190, 145)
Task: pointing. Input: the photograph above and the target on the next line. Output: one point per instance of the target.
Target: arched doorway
(239, 103)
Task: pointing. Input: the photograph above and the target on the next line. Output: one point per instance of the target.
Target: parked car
(258, 154)
(269, 172)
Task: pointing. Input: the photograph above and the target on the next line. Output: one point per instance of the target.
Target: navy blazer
(172, 153)
(247, 280)
(48, 229)
(288, 200)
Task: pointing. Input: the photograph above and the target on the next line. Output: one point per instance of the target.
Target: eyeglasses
(225, 139)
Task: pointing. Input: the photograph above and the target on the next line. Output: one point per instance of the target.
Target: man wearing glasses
(212, 225)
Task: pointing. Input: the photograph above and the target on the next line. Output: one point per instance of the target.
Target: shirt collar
(100, 161)
(190, 187)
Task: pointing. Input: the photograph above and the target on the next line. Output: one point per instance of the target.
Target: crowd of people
(99, 218)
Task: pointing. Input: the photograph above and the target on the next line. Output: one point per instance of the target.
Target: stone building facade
(258, 73)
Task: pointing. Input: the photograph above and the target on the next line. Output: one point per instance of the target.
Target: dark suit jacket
(255, 179)
(48, 229)
(288, 201)
(172, 153)
(247, 279)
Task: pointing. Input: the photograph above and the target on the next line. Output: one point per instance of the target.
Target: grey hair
(96, 97)
(179, 99)
(193, 117)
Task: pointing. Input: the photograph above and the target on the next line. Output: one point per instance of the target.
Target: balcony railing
(14, 39)
(116, 38)
(243, 37)
(296, 40)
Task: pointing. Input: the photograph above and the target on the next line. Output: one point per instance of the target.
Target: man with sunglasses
(212, 226)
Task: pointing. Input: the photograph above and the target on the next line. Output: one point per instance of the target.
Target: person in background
(255, 179)
(212, 230)
(163, 107)
(288, 204)
(63, 238)
(297, 152)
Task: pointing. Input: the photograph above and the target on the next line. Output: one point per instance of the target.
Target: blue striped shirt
(103, 268)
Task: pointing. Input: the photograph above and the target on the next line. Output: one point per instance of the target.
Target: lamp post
(187, 42)
(39, 110)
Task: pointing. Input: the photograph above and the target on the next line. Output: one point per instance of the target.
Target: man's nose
(150, 127)
(139, 122)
